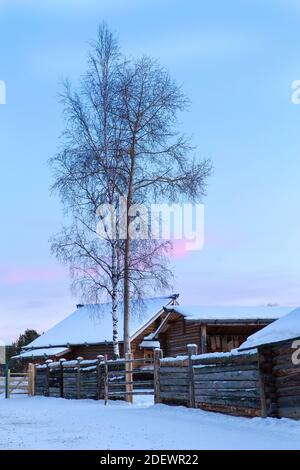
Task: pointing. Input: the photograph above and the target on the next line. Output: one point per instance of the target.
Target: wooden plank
(192, 351)
(203, 334)
(128, 374)
(236, 375)
(234, 393)
(231, 410)
(262, 387)
(224, 384)
(157, 375)
(207, 369)
(289, 412)
(230, 401)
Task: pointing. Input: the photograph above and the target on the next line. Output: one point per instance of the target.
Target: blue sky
(236, 61)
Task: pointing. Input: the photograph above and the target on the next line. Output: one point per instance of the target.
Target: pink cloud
(179, 249)
(23, 275)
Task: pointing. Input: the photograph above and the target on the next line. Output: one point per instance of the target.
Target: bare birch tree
(159, 164)
(90, 170)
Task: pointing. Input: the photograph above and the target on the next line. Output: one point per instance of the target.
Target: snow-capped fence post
(79, 359)
(47, 388)
(98, 377)
(105, 380)
(129, 377)
(192, 350)
(61, 377)
(156, 374)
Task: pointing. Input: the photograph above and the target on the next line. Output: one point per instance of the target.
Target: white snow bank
(287, 327)
(55, 423)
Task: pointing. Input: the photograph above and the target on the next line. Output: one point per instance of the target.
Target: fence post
(192, 350)
(129, 377)
(31, 379)
(7, 382)
(79, 359)
(47, 391)
(105, 380)
(98, 376)
(156, 374)
(61, 378)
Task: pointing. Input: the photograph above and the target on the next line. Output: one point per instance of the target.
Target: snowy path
(53, 423)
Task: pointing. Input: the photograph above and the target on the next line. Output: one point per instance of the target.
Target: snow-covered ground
(54, 423)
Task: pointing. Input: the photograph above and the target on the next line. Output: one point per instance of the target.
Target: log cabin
(87, 332)
(212, 329)
(278, 346)
(156, 322)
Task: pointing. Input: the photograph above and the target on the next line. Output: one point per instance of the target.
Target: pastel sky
(236, 61)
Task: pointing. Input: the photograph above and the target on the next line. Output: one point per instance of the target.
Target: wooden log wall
(174, 381)
(281, 380)
(226, 383)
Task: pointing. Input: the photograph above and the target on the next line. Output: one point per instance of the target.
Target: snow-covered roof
(149, 344)
(209, 313)
(287, 327)
(92, 323)
(44, 352)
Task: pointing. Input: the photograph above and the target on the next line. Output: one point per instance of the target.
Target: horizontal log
(289, 412)
(172, 395)
(174, 388)
(231, 410)
(174, 364)
(288, 401)
(288, 391)
(230, 401)
(279, 371)
(173, 370)
(213, 369)
(240, 394)
(237, 375)
(174, 380)
(228, 361)
(224, 384)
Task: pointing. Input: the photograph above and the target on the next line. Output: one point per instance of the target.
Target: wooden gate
(125, 378)
(20, 383)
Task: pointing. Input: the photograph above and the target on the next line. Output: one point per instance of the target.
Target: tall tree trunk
(127, 344)
(114, 302)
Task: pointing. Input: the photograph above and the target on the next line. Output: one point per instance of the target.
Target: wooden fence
(245, 384)
(96, 379)
(228, 383)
